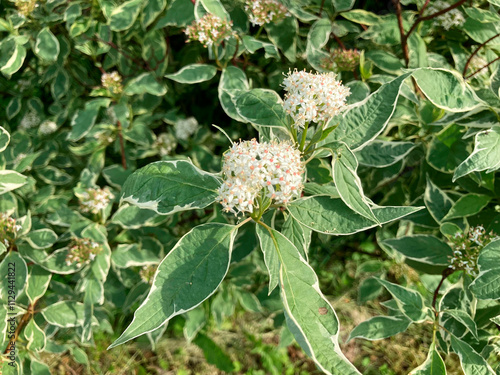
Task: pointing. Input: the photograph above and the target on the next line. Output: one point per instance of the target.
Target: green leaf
(46, 46)
(133, 217)
(381, 154)
(299, 235)
(152, 9)
(284, 36)
(447, 149)
(214, 354)
(436, 200)
(314, 322)
(465, 319)
(11, 180)
(332, 216)
(486, 154)
(487, 283)
(261, 107)
(179, 13)
(145, 84)
(446, 89)
(14, 107)
(12, 57)
(342, 5)
(433, 365)
(380, 327)
(365, 120)
(194, 73)
(385, 60)
(170, 186)
(252, 45)
(215, 7)
(64, 314)
(4, 139)
(271, 258)
(35, 336)
(39, 368)
(232, 82)
(422, 248)
(38, 282)
(188, 275)
(124, 16)
(195, 321)
(410, 302)
(41, 238)
(128, 255)
(467, 205)
(347, 182)
(472, 363)
(81, 123)
(15, 266)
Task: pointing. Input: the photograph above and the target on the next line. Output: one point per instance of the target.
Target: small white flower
(47, 127)
(29, 120)
(262, 12)
(165, 143)
(209, 30)
(94, 200)
(449, 19)
(185, 128)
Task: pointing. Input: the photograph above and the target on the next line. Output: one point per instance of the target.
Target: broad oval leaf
(188, 275)
(124, 16)
(487, 283)
(194, 73)
(261, 107)
(41, 238)
(4, 139)
(11, 180)
(381, 154)
(433, 365)
(410, 302)
(14, 265)
(472, 362)
(422, 248)
(145, 84)
(47, 46)
(332, 216)
(380, 327)
(170, 186)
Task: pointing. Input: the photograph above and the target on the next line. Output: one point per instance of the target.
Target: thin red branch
(477, 71)
(404, 38)
(339, 42)
(475, 52)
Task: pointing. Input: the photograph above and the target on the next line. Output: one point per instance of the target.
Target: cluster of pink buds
(26, 7)
(82, 251)
(8, 229)
(342, 60)
(94, 200)
(262, 12)
(112, 82)
(254, 170)
(209, 30)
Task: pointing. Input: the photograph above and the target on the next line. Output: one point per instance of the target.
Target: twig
(475, 52)
(122, 144)
(321, 8)
(447, 272)
(423, 8)
(403, 37)
(477, 71)
(26, 317)
(337, 39)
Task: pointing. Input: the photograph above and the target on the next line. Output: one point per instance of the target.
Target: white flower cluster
(262, 12)
(95, 199)
(449, 19)
(112, 81)
(8, 229)
(185, 128)
(250, 167)
(82, 251)
(29, 120)
(313, 97)
(25, 7)
(209, 30)
(47, 127)
(165, 143)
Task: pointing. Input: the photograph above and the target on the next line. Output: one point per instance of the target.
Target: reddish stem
(475, 52)
(477, 71)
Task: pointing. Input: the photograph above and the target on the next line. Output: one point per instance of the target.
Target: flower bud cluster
(209, 30)
(26, 7)
(47, 127)
(112, 82)
(29, 120)
(252, 169)
(165, 143)
(262, 12)
(8, 229)
(94, 200)
(82, 251)
(147, 273)
(467, 248)
(185, 128)
(313, 97)
(342, 60)
(447, 20)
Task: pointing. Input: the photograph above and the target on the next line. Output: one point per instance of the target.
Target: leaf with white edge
(298, 234)
(410, 302)
(133, 217)
(319, 34)
(215, 7)
(188, 275)
(55, 262)
(464, 318)
(306, 306)
(4, 139)
(487, 283)
(283, 34)
(437, 201)
(486, 154)
(233, 81)
(124, 16)
(271, 258)
(152, 9)
(381, 154)
(128, 255)
(194, 73)
(41, 238)
(12, 57)
(332, 216)
(472, 363)
(347, 182)
(170, 186)
(422, 248)
(195, 321)
(362, 16)
(35, 336)
(46, 45)
(64, 314)
(145, 84)
(38, 282)
(261, 107)
(10, 180)
(433, 365)
(380, 327)
(467, 205)
(342, 5)
(81, 123)
(12, 263)
(446, 89)
(365, 120)
(252, 45)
